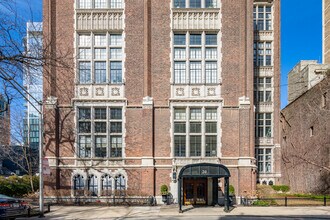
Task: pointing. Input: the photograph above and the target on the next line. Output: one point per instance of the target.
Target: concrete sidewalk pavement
(171, 212)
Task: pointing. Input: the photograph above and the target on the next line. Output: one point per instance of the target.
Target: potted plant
(164, 192)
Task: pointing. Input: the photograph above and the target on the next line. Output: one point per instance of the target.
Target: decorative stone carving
(196, 92)
(115, 92)
(211, 92)
(179, 92)
(99, 91)
(88, 20)
(196, 19)
(84, 91)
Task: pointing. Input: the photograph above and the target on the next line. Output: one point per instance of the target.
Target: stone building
(305, 75)
(159, 86)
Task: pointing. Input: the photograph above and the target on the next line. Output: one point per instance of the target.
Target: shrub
(164, 189)
(17, 186)
(231, 190)
(264, 203)
(283, 188)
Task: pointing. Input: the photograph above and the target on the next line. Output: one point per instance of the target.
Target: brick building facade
(305, 145)
(158, 85)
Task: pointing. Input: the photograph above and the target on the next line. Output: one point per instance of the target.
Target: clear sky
(301, 32)
(301, 37)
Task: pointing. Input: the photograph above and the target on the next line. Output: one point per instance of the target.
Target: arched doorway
(193, 185)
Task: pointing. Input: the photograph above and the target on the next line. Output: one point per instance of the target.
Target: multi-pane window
(264, 125)
(100, 58)
(100, 132)
(195, 3)
(84, 130)
(264, 160)
(92, 185)
(263, 89)
(106, 185)
(262, 16)
(262, 53)
(99, 4)
(120, 185)
(195, 58)
(195, 127)
(195, 132)
(78, 185)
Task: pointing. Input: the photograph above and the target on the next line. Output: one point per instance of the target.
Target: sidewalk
(102, 212)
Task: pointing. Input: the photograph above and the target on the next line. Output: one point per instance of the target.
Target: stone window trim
(195, 138)
(263, 90)
(264, 125)
(100, 58)
(96, 130)
(263, 53)
(263, 17)
(196, 58)
(92, 183)
(264, 159)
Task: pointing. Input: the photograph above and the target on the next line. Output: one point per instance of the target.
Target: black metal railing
(286, 201)
(107, 201)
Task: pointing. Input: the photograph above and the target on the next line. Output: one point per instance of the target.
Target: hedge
(16, 186)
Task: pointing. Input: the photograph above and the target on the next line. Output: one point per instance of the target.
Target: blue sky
(301, 32)
(301, 37)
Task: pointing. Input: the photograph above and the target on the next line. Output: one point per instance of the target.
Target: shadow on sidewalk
(193, 207)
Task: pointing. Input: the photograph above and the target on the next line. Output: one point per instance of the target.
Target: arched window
(271, 183)
(78, 185)
(264, 182)
(106, 185)
(92, 185)
(120, 184)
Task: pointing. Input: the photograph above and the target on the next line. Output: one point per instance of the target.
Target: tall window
(264, 160)
(263, 89)
(262, 16)
(84, 132)
(195, 3)
(197, 53)
(264, 124)
(262, 53)
(195, 132)
(78, 184)
(92, 185)
(192, 132)
(106, 185)
(211, 132)
(100, 58)
(120, 185)
(105, 129)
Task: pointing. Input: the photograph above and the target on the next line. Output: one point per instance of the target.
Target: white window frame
(198, 60)
(88, 47)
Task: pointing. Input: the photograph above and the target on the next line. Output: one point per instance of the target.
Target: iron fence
(107, 201)
(286, 201)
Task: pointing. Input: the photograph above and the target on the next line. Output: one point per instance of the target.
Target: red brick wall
(304, 155)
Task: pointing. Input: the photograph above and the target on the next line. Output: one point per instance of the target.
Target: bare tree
(16, 61)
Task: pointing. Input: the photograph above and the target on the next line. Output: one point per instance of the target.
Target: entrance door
(195, 191)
